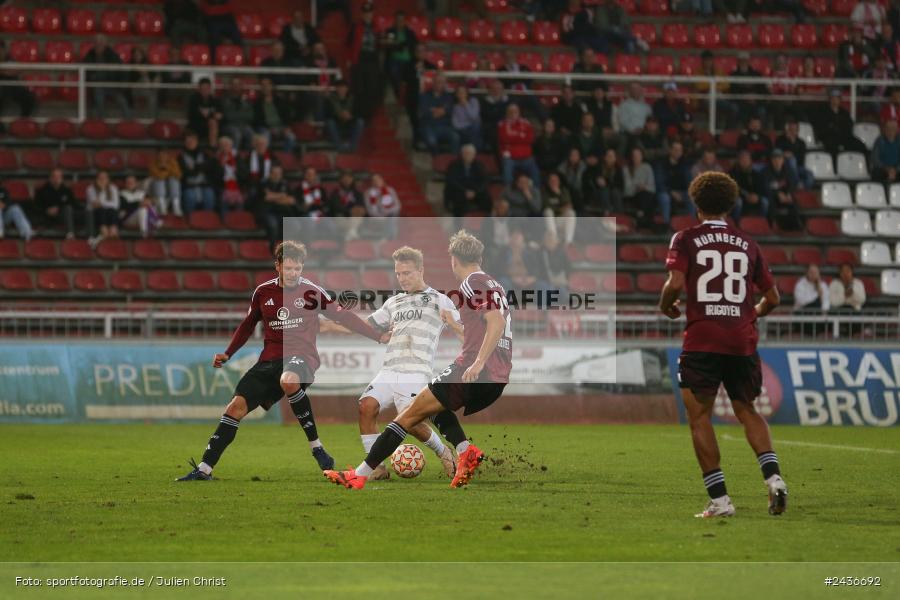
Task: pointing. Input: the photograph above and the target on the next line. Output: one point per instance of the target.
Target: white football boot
(380, 472)
(718, 507)
(777, 494)
(448, 460)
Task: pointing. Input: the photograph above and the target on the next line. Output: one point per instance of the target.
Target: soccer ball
(408, 461)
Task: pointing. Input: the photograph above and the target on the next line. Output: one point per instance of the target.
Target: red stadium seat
(240, 221)
(261, 277)
(148, 23)
(158, 54)
(739, 35)
(13, 19)
(234, 281)
(229, 55)
(626, 64)
(495, 59)
(139, 160)
(115, 22)
(37, 158)
(287, 161)
(79, 189)
(81, 22)
(16, 280)
(514, 32)
(680, 222)
(205, 220)
(795, 66)
(650, 283)
(126, 281)
(341, 280)
(8, 160)
(775, 255)
(497, 5)
(90, 281)
(109, 160)
(806, 255)
(644, 31)
(307, 132)
(816, 7)
(756, 226)
(259, 54)
(124, 49)
(60, 129)
(762, 64)
(620, 283)
(806, 199)
(803, 35)
(24, 51)
(582, 282)
(251, 26)
(675, 35)
(73, 159)
(843, 8)
(324, 248)
(689, 65)
(655, 7)
(448, 29)
(707, 36)
(546, 33)
(561, 62)
(40, 249)
(838, 256)
(436, 57)
(276, 24)
(196, 54)
(10, 250)
(162, 281)
(219, 250)
(441, 162)
(112, 249)
(463, 61)
(95, 129)
(68, 92)
(320, 161)
(634, 253)
(833, 35)
(660, 65)
(825, 66)
(24, 128)
(165, 130)
(46, 20)
(52, 280)
(59, 52)
(770, 35)
(78, 250)
(350, 162)
(131, 130)
(198, 281)
(360, 250)
(186, 250)
(376, 279)
(600, 253)
(533, 61)
(17, 190)
(419, 26)
(725, 64)
(149, 250)
(254, 250)
(42, 92)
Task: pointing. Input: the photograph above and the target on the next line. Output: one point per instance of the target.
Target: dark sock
(768, 462)
(223, 436)
(715, 483)
(303, 411)
(392, 436)
(449, 426)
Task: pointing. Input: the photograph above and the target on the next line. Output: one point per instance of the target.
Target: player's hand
(447, 317)
(219, 360)
(674, 311)
(386, 336)
(473, 372)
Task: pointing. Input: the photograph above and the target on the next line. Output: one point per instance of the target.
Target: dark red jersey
(290, 318)
(721, 265)
(481, 293)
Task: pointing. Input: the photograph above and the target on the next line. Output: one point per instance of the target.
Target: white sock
(367, 440)
(315, 444)
(462, 446)
(364, 470)
(204, 468)
(435, 443)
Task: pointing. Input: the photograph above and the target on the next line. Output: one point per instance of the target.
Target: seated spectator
(634, 111)
(165, 182)
(146, 83)
(278, 59)
(726, 110)
(383, 205)
(834, 127)
(493, 111)
(846, 294)
(298, 37)
(748, 106)
(221, 27)
(810, 71)
(523, 197)
(343, 126)
(466, 117)
(56, 205)
(205, 112)
(888, 47)
(237, 114)
(466, 185)
(652, 141)
(886, 154)
(494, 234)
(572, 171)
(520, 88)
(568, 111)
(756, 141)
(557, 208)
(577, 26)
(174, 97)
(783, 86)
(737, 10)
(314, 101)
(602, 186)
(231, 195)
(11, 213)
(347, 203)
(613, 26)
(639, 188)
(277, 203)
(183, 21)
(890, 111)
(855, 55)
(556, 264)
(400, 47)
(669, 110)
(103, 200)
(810, 293)
(550, 147)
(687, 134)
(794, 149)
(312, 194)
(435, 124)
(708, 162)
(602, 109)
(102, 53)
(17, 94)
(878, 72)
(588, 139)
(514, 137)
(752, 198)
(672, 180)
(588, 65)
(522, 264)
(780, 184)
(136, 208)
(867, 18)
(196, 181)
(272, 115)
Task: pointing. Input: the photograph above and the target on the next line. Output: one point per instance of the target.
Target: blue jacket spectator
(673, 178)
(435, 109)
(886, 154)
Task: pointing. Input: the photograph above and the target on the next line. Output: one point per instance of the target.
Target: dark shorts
(453, 394)
(702, 372)
(261, 385)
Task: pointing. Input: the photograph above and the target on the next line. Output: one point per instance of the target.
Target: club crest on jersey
(283, 313)
(425, 299)
(298, 303)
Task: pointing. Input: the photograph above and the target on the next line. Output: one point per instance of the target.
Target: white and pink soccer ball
(408, 461)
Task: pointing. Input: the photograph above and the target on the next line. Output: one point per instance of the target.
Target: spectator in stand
(494, 234)
(522, 264)
(103, 200)
(314, 101)
(707, 163)
(183, 21)
(17, 94)
(221, 28)
(260, 160)
(703, 8)
(602, 186)
(278, 59)
(752, 198)
(885, 159)
(493, 111)
(102, 53)
(557, 208)
(588, 65)
(855, 55)
(756, 141)
(572, 171)
(172, 97)
(523, 197)
(810, 71)
(877, 92)
(639, 188)
(783, 86)
(56, 205)
(652, 141)
(867, 17)
(344, 128)
(890, 111)
(726, 110)
(748, 106)
(413, 84)
(230, 188)
(810, 293)
(466, 117)
(577, 26)
(348, 205)
(342, 6)
(834, 127)
(687, 134)
(888, 47)
(383, 205)
(522, 94)
(672, 179)
(737, 10)
(365, 75)
(165, 182)
(846, 294)
(556, 264)
(550, 147)
(196, 183)
(277, 203)
(466, 185)
(205, 113)
(669, 110)
(298, 37)
(568, 111)
(515, 136)
(136, 208)
(602, 109)
(146, 83)
(272, 115)
(589, 139)
(634, 111)
(399, 50)
(435, 121)
(780, 183)
(237, 114)
(11, 213)
(312, 194)
(613, 27)
(794, 149)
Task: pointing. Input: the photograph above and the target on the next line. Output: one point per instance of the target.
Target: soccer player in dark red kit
(474, 381)
(289, 307)
(718, 266)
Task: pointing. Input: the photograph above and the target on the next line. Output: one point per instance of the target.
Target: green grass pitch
(547, 494)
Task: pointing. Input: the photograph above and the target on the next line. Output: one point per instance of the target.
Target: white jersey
(417, 327)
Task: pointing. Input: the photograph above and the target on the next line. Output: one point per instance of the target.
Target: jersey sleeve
(381, 318)
(445, 303)
(245, 329)
(677, 257)
(762, 276)
(480, 296)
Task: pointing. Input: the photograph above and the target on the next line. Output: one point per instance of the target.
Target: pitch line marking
(779, 442)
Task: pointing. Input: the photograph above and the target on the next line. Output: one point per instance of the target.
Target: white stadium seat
(820, 164)
(887, 223)
(856, 222)
(890, 282)
(875, 254)
(836, 194)
(894, 195)
(852, 166)
(897, 253)
(867, 133)
(805, 132)
(870, 195)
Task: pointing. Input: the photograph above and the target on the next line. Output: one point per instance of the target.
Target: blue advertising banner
(806, 386)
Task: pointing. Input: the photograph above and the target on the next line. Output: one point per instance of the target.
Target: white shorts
(395, 389)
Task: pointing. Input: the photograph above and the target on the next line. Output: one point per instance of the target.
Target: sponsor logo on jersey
(408, 315)
(283, 313)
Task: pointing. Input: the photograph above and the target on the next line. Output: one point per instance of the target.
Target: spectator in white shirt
(103, 199)
(383, 204)
(633, 111)
(868, 17)
(847, 292)
(811, 293)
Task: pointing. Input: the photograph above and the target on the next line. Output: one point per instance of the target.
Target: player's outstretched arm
(770, 300)
(241, 334)
(668, 299)
(354, 323)
(452, 323)
(329, 326)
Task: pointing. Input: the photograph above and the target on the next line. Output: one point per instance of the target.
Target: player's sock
(367, 440)
(449, 426)
(223, 436)
(392, 436)
(434, 442)
(303, 411)
(715, 483)
(768, 462)
(462, 447)
(313, 444)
